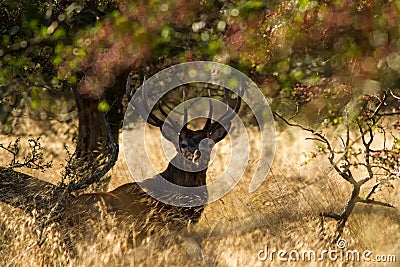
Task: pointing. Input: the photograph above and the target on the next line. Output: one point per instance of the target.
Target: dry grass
(282, 214)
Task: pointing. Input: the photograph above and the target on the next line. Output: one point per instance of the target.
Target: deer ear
(169, 132)
(219, 132)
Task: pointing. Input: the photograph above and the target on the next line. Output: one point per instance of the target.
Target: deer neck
(185, 178)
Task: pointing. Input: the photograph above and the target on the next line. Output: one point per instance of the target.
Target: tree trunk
(92, 127)
(93, 123)
(114, 97)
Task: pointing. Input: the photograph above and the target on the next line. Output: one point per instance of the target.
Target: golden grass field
(282, 214)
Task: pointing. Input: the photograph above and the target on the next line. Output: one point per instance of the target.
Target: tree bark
(92, 127)
(93, 123)
(114, 97)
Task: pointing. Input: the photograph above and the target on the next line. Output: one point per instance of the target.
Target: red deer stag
(129, 203)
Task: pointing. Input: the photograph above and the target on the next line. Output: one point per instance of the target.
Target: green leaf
(34, 104)
(303, 5)
(103, 106)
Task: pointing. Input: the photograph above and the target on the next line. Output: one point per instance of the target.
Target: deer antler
(233, 106)
(209, 117)
(152, 118)
(232, 109)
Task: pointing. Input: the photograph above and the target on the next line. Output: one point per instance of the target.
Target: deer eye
(183, 145)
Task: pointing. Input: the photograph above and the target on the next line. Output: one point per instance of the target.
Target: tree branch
(345, 174)
(375, 202)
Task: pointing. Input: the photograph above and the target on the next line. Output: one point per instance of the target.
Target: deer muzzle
(196, 155)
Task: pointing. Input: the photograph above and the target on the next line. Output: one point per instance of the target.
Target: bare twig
(367, 145)
(330, 215)
(388, 114)
(367, 138)
(375, 202)
(394, 96)
(33, 160)
(346, 174)
(372, 191)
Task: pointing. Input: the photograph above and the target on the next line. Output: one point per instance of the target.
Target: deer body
(131, 204)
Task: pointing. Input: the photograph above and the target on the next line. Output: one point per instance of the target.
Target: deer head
(194, 146)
